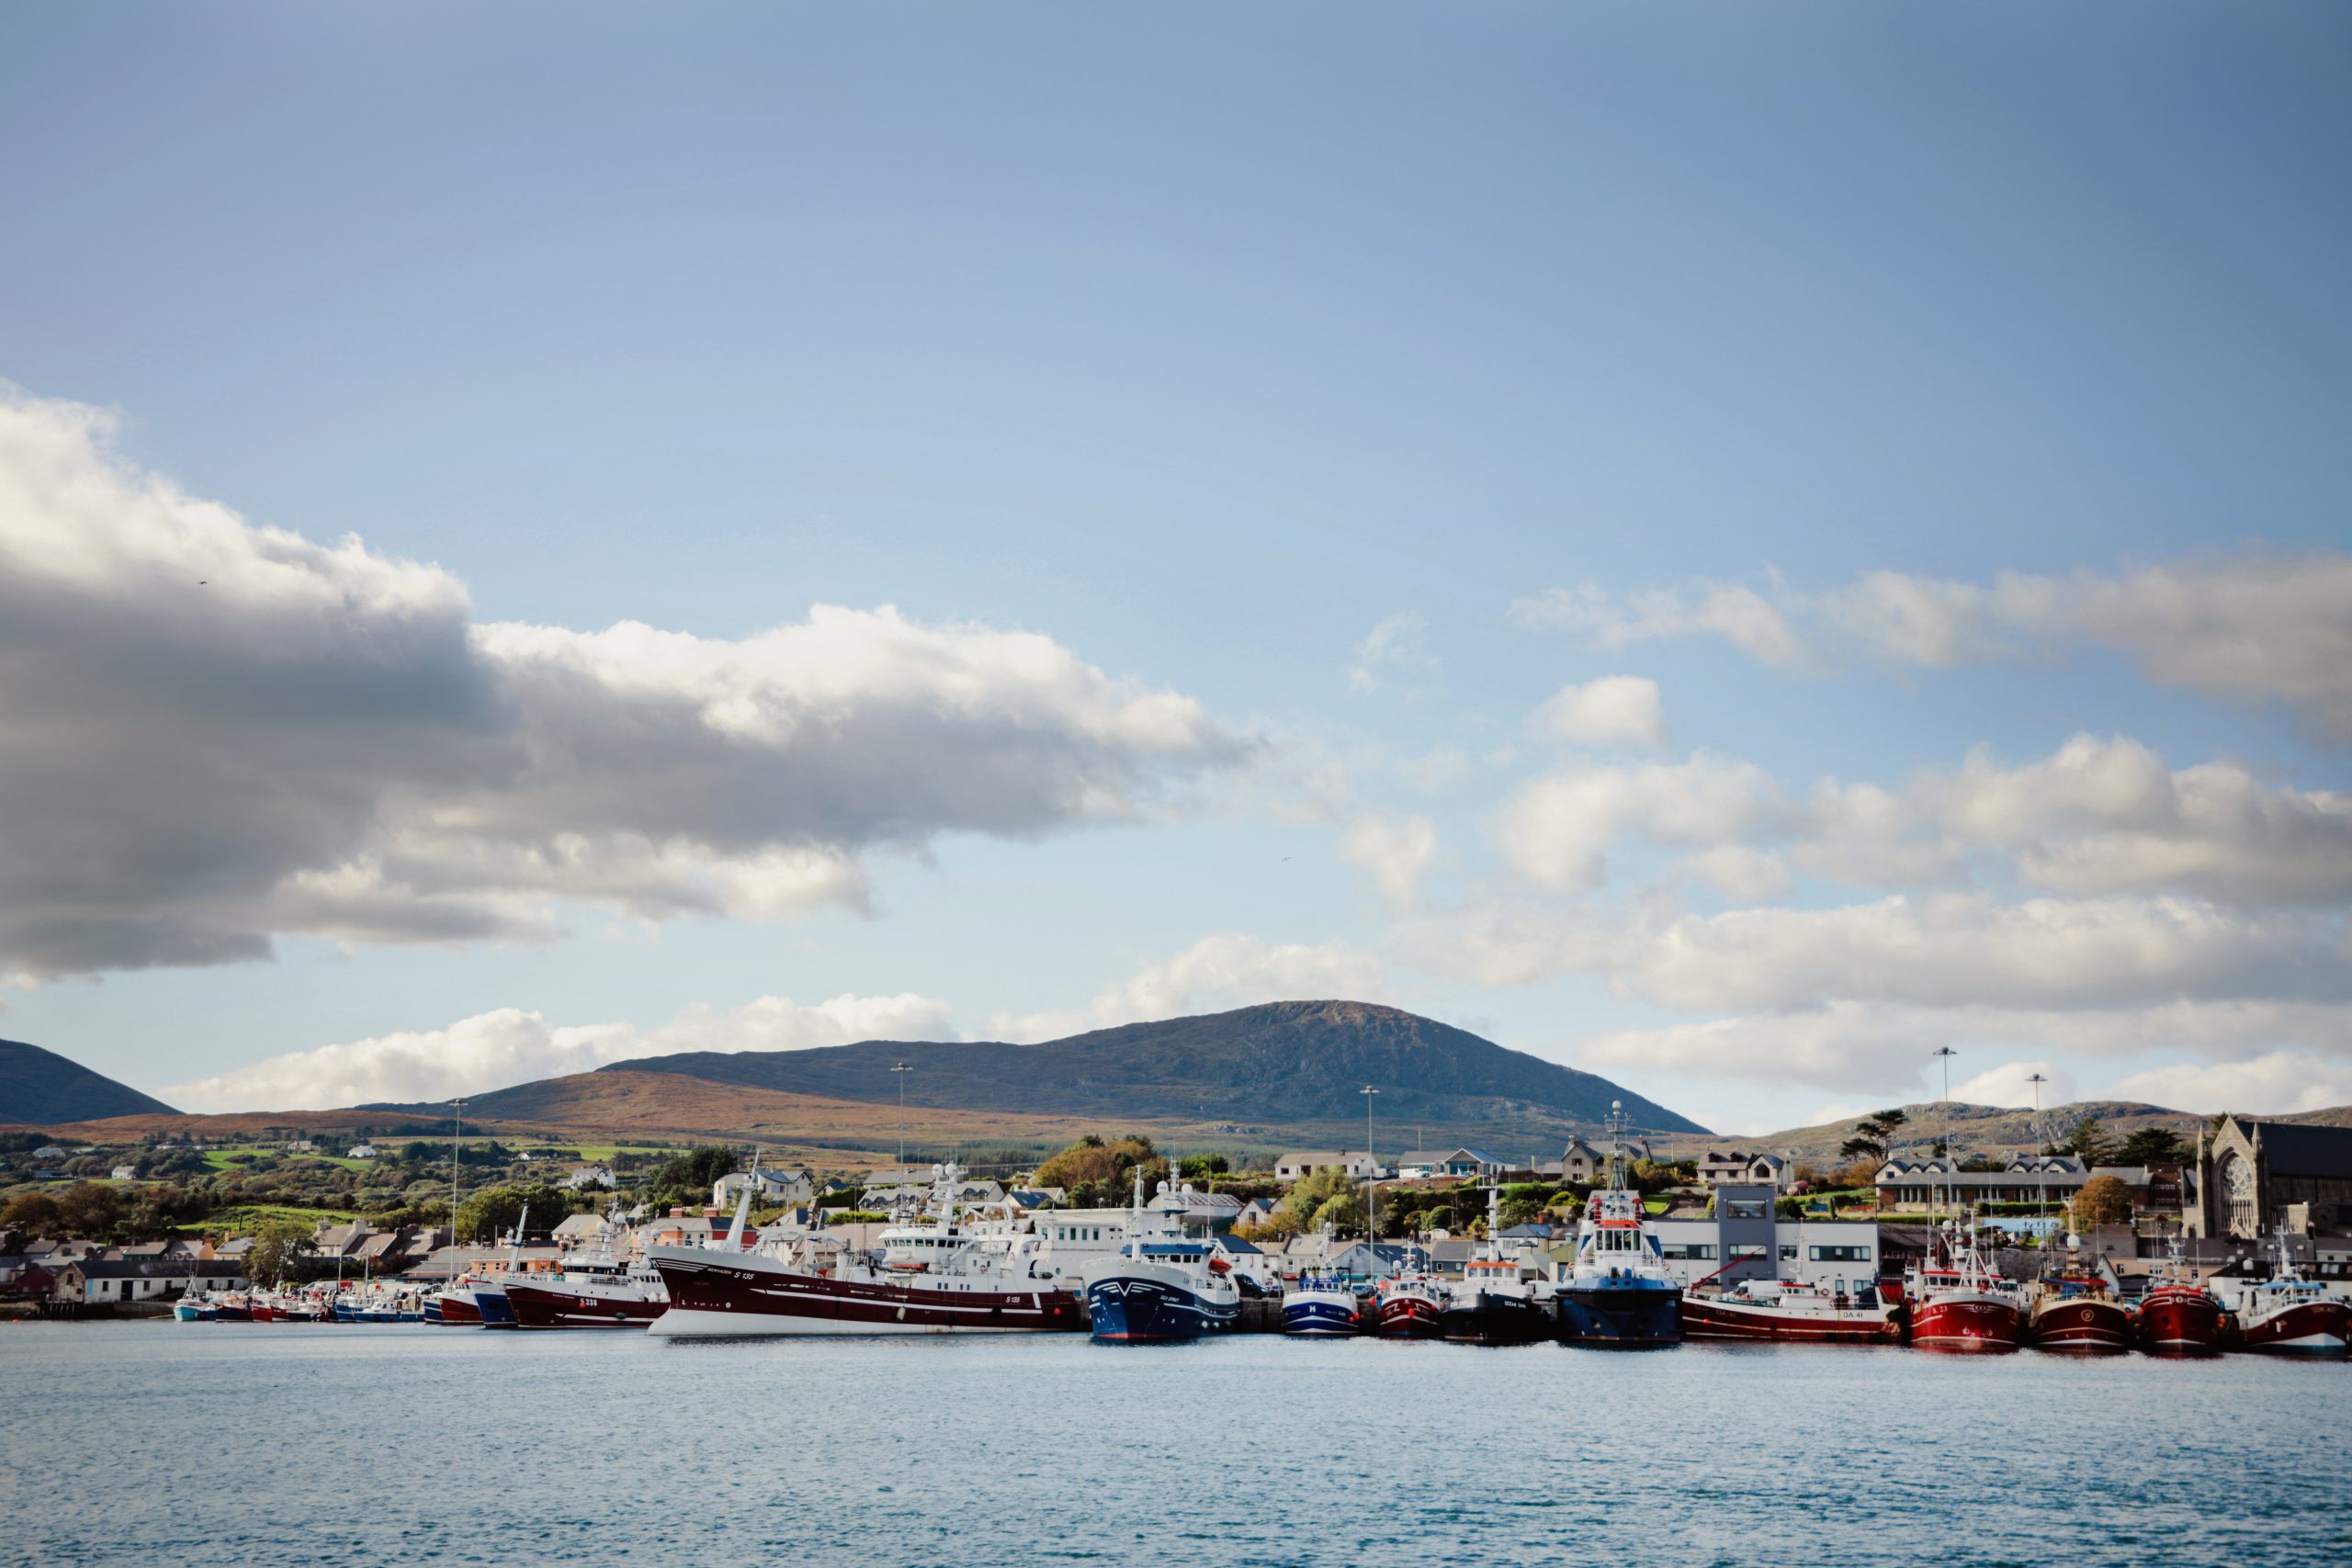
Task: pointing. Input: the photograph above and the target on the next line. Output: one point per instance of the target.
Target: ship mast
(457, 1141)
(2040, 1170)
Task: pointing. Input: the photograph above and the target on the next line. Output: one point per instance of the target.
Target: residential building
(1360, 1167)
(2028, 1178)
(126, 1173)
(361, 1151)
(585, 1177)
(1583, 1164)
(769, 1187)
(1366, 1261)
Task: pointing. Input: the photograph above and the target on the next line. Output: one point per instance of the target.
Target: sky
(1731, 547)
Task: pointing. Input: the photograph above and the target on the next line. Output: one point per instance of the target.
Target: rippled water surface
(219, 1443)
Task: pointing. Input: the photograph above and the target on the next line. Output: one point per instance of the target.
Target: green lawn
(247, 1216)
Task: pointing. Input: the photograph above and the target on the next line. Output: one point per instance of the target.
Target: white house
(301, 1147)
(126, 1173)
(768, 1187)
(105, 1282)
(1359, 1165)
(361, 1151)
(588, 1176)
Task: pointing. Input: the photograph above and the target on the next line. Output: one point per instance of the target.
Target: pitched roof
(156, 1268)
(2291, 1148)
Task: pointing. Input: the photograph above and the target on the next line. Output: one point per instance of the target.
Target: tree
(2153, 1145)
(94, 1208)
(2090, 1142)
(1341, 1212)
(2104, 1200)
(1200, 1167)
(276, 1244)
(1874, 1136)
(1106, 1167)
(488, 1214)
(1304, 1201)
(34, 1213)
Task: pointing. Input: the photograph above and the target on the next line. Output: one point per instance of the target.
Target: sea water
(231, 1443)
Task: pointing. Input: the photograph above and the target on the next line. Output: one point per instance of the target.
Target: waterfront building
(1743, 1240)
(2255, 1177)
(1914, 1184)
(96, 1281)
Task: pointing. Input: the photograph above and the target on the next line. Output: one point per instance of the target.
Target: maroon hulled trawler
(2179, 1317)
(1958, 1300)
(966, 1277)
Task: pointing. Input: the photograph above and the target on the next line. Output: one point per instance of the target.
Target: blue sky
(1203, 345)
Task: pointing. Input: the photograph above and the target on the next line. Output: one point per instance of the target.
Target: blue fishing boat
(1160, 1284)
(1617, 1291)
(1322, 1306)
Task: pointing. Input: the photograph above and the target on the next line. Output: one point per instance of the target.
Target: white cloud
(1397, 646)
(1557, 831)
(2279, 1083)
(2253, 628)
(1614, 710)
(1612, 623)
(2011, 1084)
(1215, 974)
(1737, 872)
(499, 1049)
(219, 732)
(1396, 851)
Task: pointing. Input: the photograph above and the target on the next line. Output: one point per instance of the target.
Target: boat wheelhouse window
(1748, 1249)
(1841, 1255)
(1687, 1251)
(1745, 1208)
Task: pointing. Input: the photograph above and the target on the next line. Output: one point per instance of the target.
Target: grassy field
(244, 1217)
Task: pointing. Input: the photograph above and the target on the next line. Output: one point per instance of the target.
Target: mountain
(41, 1088)
(1989, 1129)
(1298, 1066)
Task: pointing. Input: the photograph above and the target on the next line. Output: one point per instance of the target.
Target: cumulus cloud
(2279, 1083)
(498, 1049)
(1615, 710)
(1397, 646)
(1215, 974)
(1394, 851)
(1557, 831)
(2253, 628)
(217, 732)
(2012, 1084)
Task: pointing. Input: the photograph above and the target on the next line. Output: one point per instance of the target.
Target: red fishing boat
(2179, 1317)
(2078, 1313)
(1790, 1310)
(1412, 1308)
(2289, 1315)
(1958, 1300)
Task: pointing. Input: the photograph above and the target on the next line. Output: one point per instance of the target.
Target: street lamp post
(900, 1072)
(457, 1142)
(2040, 1172)
(1372, 1170)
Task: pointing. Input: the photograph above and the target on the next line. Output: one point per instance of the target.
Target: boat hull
(1718, 1319)
(711, 1296)
(1325, 1314)
(1629, 1316)
(540, 1306)
(2306, 1328)
(185, 1312)
(1964, 1321)
(2082, 1327)
(1410, 1317)
(1487, 1318)
(1139, 1308)
(454, 1309)
(2180, 1321)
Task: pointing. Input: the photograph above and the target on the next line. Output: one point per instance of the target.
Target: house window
(1841, 1255)
(1788, 1252)
(1747, 1249)
(1687, 1251)
(1747, 1208)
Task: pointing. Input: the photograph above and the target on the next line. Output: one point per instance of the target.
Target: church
(2268, 1178)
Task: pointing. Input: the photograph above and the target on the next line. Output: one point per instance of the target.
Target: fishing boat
(1790, 1310)
(596, 1291)
(1160, 1285)
(1322, 1306)
(2075, 1310)
(2179, 1317)
(1617, 1291)
(2288, 1314)
(1410, 1306)
(194, 1309)
(1499, 1300)
(1958, 1300)
(810, 1283)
